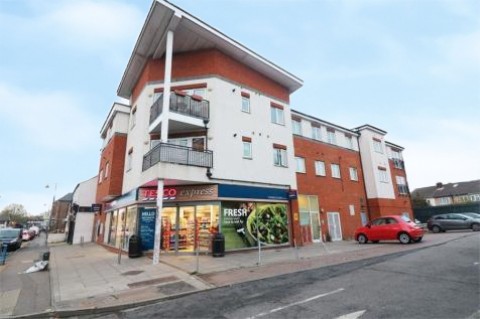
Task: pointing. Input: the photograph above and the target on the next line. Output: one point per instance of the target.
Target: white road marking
(353, 315)
(296, 303)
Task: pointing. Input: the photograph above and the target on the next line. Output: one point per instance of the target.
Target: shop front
(192, 214)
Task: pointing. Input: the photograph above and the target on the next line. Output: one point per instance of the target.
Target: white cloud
(83, 25)
(53, 120)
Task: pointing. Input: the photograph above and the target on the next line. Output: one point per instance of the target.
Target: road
(435, 282)
(24, 293)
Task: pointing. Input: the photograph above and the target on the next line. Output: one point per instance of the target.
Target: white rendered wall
(83, 227)
(226, 120)
(84, 194)
(371, 160)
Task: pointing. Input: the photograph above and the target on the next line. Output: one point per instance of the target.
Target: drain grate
(175, 288)
(152, 281)
(132, 273)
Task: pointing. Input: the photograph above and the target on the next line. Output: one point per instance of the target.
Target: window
(349, 141)
(100, 176)
(396, 154)
(245, 102)
(129, 159)
(308, 204)
(107, 168)
(247, 147)
(316, 134)
(297, 127)
(133, 117)
(401, 185)
(382, 174)
(276, 112)
(279, 155)
(377, 146)
(300, 164)
(331, 136)
(335, 170)
(320, 168)
(353, 174)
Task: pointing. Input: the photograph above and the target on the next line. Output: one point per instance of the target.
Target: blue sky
(411, 68)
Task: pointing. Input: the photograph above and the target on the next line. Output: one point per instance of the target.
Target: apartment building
(206, 142)
(331, 191)
(384, 173)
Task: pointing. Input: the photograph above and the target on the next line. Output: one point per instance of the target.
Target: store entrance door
(334, 226)
(315, 224)
(178, 229)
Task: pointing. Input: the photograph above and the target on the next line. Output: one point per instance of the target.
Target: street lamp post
(51, 210)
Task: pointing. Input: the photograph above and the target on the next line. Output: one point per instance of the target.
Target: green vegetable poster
(243, 223)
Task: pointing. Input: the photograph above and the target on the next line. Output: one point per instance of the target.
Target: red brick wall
(113, 153)
(205, 63)
(334, 195)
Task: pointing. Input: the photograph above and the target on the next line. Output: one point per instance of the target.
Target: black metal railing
(182, 104)
(398, 163)
(170, 153)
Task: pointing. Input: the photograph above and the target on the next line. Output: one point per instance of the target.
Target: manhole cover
(175, 288)
(132, 273)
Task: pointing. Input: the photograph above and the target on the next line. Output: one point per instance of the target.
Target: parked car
(27, 235)
(473, 215)
(35, 229)
(12, 237)
(444, 222)
(390, 228)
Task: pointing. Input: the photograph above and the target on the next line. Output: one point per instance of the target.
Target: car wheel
(404, 238)
(362, 239)
(476, 227)
(419, 239)
(436, 229)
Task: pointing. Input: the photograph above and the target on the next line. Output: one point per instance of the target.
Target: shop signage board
(147, 227)
(241, 191)
(180, 193)
(243, 223)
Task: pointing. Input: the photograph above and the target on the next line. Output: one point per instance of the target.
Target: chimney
(439, 185)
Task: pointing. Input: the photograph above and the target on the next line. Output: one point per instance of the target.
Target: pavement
(88, 279)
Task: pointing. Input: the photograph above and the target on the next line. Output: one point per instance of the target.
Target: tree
(15, 213)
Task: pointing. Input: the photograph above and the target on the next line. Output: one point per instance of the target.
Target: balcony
(170, 153)
(403, 189)
(191, 106)
(398, 163)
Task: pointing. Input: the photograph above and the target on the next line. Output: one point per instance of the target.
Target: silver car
(444, 222)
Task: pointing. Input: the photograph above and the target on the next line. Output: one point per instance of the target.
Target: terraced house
(205, 146)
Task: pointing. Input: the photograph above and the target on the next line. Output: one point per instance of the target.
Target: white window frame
(316, 133)
(332, 138)
(336, 173)
(133, 120)
(277, 115)
(383, 175)
(280, 157)
(100, 175)
(320, 168)
(300, 165)
(349, 142)
(377, 146)
(245, 104)
(353, 174)
(296, 127)
(107, 168)
(247, 146)
(129, 160)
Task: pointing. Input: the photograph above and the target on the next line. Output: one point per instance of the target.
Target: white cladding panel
(83, 228)
(85, 193)
(371, 160)
(229, 124)
(226, 127)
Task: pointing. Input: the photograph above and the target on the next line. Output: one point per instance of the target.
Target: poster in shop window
(243, 223)
(148, 216)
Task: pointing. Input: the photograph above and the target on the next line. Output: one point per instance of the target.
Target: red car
(389, 228)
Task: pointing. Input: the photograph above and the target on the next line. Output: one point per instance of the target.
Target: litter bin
(218, 245)
(134, 247)
(45, 256)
